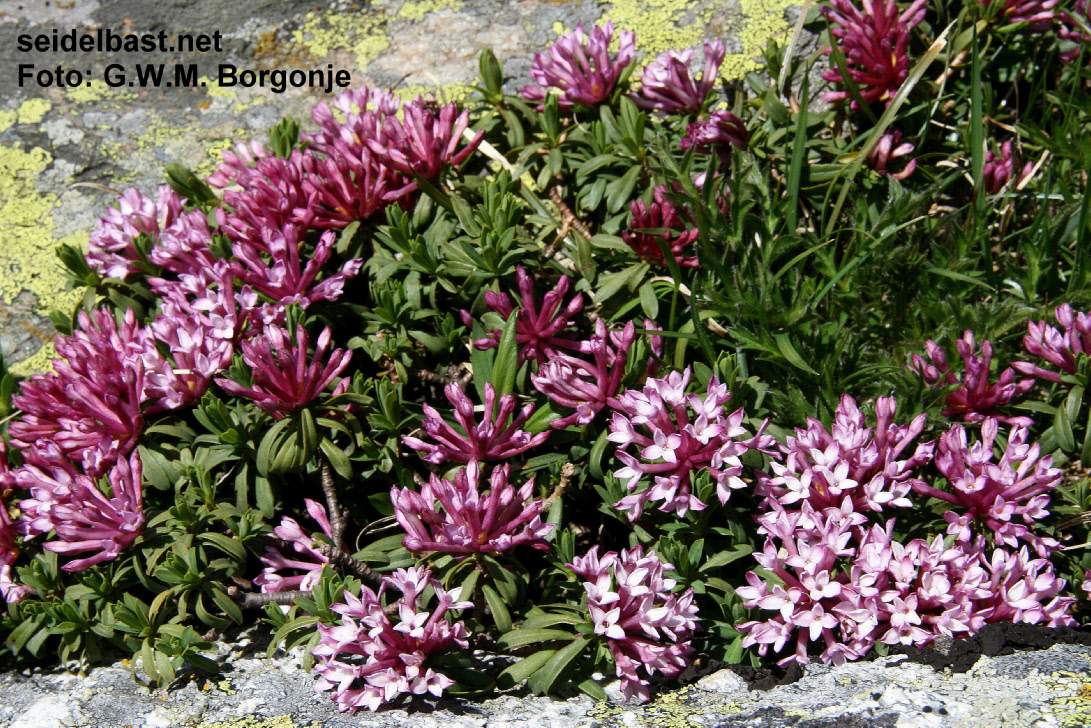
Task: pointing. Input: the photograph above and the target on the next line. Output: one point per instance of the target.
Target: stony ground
(64, 152)
(1041, 689)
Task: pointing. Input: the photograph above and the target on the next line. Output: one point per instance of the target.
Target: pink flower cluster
(889, 148)
(455, 517)
(994, 493)
(1060, 347)
(114, 249)
(976, 398)
(666, 84)
(586, 386)
(283, 379)
(851, 461)
(580, 67)
(661, 214)
(1076, 28)
(306, 558)
(494, 439)
(540, 331)
(1037, 13)
(632, 606)
(687, 433)
(368, 660)
(848, 587)
(84, 516)
(875, 41)
(999, 169)
(718, 134)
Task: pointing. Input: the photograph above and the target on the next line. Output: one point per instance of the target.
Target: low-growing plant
(627, 368)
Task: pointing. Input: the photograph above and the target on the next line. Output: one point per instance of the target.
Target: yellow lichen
(762, 20)
(33, 111)
(7, 119)
(214, 90)
(416, 9)
(251, 721)
(95, 92)
(446, 93)
(655, 23)
(27, 260)
(362, 34)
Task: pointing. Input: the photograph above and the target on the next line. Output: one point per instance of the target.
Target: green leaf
(521, 637)
(726, 557)
(266, 447)
(541, 683)
(506, 365)
(784, 344)
(227, 604)
(1062, 430)
(648, 300)
(225, 543)
(523, 669)
(338, 460)
(593, 689)
(308, 435)
(499, 610)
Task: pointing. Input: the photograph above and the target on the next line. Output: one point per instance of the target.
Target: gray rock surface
(1040, 689)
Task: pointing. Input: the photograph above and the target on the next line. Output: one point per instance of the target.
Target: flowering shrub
(600, 376)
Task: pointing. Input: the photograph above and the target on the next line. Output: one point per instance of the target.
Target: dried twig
(258, 600)
(348, 563)
(337, 517)
(568, 218)
(568, 471)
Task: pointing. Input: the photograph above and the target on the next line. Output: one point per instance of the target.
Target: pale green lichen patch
(762, 20)
(33, 111)
(253, 721)
(416, 9)
(656, 23)
(97, 92)
(361, 34)
(27, 260)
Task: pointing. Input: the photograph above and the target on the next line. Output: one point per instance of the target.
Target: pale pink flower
(667, 85)
(580, 67)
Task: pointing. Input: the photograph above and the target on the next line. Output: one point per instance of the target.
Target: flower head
(718, 133)
(424, 140)
(114, 249)
(675, 435)
(977, 398)
(586, 386)
(887, 150)
(283, 380)
(1059, 347)
(1076, 28)
(999, 169)
(875, 41)
(1038, 14)
(580, 66)
(660, 214)
(305, 559)
(540, 331)
(632, 606)
(84, 516)
(493, 439)
(453, 516)
(666, 83)
(995, 493)
(369, 660)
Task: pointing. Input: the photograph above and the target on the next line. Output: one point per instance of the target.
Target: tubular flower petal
(1060, 348)
(1037, 13)
(660, 214)
(666, 83)
(580, 67)
(83, 516)
(631, 605)
(977, 398)
(688, 432)
(424, 141)
(995, 493)
(305, 559)
(1076, 28)
(368, 660)
(540, 331)
(874, 41)
(283, 380)
(584, 386)
(822, 467)
(453, 516)
(493, 439)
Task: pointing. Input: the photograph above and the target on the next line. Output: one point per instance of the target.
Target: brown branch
(337, 517)
(568, 218)
(350, 564)
(257, 600)
(568, 471)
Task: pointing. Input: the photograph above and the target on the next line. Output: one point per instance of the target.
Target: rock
(723, 681)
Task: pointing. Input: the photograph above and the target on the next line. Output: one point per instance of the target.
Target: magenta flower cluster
(1076, 28)
(368, 659)
(999, 169)
(277, 576)
(1063, 348)
(455, 517)
(890, 148)
(667, 85)
(976, 398)
(660, 215)
(632, 607)
(675, 435)
(875, 41)
(717, 134)
(494, 439)
(580, 67)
